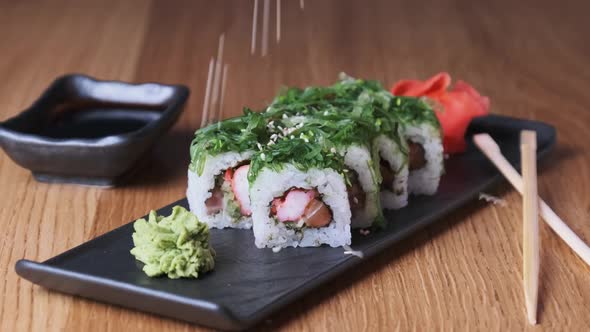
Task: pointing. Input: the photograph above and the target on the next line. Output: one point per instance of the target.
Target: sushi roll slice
(218, 187)
(389, 146)
(341, 133)
(362, 187)
(422, 132)
(219, 195)
(298, 196)
(393, 167)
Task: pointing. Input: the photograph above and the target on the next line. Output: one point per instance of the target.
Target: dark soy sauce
(96, 121)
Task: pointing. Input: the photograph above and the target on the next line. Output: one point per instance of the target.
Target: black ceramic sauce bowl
(87, 131)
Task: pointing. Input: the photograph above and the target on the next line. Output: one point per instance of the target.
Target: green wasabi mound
(176, 246)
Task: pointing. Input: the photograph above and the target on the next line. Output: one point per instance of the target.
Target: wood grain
(464, 273)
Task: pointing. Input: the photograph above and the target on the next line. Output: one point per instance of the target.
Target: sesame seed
(305, 140)
(285, 116)
(259, 146)
(333, 150)
(355, 200)
(262, 156)
(291, 137)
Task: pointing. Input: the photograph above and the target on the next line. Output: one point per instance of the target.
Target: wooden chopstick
(254, 26)
(530, 230)
(217, 81)
(223, 80)
(489, 147)
(205, 114)
(278, 21)
(265, 19)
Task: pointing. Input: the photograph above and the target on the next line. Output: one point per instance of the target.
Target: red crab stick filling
(302, 207)
(240, 187)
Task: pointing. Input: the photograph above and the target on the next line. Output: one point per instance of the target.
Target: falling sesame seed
(345, 170)
(259, 146)
(285, 116)
(262, 156)
(291, 137)
(355, 200)
(333, 150)
(326, 113)
(305, 140)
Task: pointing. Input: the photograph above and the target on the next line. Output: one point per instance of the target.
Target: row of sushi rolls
(316, 164)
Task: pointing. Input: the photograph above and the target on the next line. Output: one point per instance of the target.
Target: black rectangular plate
(248, 284)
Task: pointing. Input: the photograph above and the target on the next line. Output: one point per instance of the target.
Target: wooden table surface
(532, 60)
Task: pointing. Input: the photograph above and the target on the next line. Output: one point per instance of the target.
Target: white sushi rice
(270, 184)
(199, 190)
(358, 159)
(391, 152)
(426, 179)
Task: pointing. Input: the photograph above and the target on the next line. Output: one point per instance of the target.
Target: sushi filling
(416, 156)
(387, 174)
(301, 208)
(231, 188)
(356, 195)
(304, 208)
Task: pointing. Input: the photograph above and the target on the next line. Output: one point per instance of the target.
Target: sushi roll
(389, 146)
(218, 188)
(393, 167)
(219, 195)
(363, 187)
(423, 135)
(298, 196)
(341, 133)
